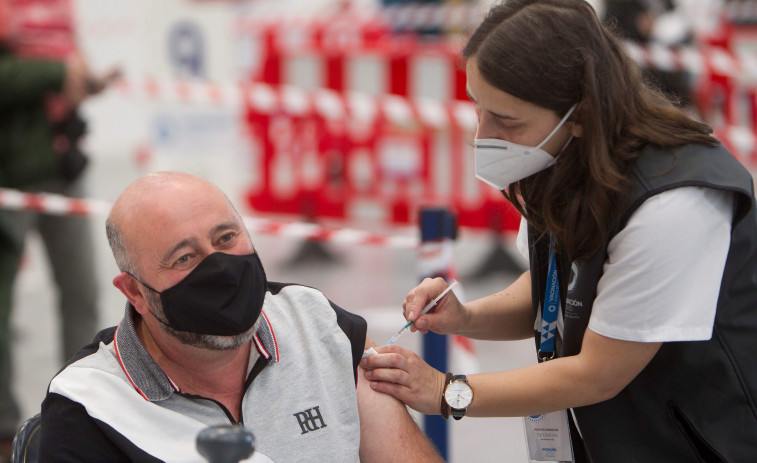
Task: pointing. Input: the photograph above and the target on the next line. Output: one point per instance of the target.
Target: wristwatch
(458, 395)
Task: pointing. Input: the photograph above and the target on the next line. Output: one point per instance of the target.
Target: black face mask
(222, 296)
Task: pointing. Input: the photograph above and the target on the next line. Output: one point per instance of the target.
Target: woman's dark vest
(695, 401)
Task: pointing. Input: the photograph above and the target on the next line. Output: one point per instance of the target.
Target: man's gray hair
(118, 246)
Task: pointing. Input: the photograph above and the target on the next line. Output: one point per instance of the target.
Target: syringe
(428, 307)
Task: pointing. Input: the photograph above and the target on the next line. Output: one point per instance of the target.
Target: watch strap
(444, 404)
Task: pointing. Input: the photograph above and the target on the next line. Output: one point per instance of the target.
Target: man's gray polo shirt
(299, 399)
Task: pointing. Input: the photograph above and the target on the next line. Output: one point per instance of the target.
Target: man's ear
(130, 288)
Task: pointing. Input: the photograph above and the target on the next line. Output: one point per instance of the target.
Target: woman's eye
(501, 122)
(512, 126)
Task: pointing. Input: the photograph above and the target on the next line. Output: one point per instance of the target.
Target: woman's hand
(404, 375)
(447, 317)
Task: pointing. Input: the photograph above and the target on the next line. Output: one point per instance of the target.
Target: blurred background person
(649, 21)
(42, 81)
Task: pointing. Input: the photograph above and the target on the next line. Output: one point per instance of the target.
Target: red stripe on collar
(259, 344)
(261, 347)
(120, 362)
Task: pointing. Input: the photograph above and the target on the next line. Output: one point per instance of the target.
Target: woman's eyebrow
(500, 116)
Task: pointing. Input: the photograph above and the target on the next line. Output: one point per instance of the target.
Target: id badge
(548, 437)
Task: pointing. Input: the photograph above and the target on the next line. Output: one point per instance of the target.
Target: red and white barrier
(340, 43)
(51, 203)
(385, 150)
(48, 203)
(314, 232)
(330, 105)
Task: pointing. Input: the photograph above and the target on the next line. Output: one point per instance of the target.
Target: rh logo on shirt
(310, 419)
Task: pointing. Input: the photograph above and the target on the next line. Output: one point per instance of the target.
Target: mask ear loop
(163, 322)
(142, 283)
(564, 146)
(562, 122)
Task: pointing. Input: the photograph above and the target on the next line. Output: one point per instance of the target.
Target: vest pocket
(701, 449)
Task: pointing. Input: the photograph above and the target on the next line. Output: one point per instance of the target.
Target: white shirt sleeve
(521, 241)
(663, 272)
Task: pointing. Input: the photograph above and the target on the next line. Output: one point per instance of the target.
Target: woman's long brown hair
(556, 53)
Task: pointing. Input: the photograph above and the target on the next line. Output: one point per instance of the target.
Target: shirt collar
(148, 378)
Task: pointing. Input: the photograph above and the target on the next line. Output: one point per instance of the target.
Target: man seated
(206, 340)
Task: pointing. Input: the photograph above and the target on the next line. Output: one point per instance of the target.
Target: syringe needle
(428, 307)
(399, 333)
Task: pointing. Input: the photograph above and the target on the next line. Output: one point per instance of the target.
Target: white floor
(371, 281)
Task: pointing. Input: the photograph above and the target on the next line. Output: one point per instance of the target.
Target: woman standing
(641, 233)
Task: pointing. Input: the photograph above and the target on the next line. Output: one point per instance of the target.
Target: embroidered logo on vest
(309, 419)
(571, 303)
(573, 276)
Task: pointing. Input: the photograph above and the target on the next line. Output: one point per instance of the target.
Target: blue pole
(437, 225)
(435, 427)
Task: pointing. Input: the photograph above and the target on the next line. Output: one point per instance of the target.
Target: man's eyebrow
(179, 245)
(231, 225)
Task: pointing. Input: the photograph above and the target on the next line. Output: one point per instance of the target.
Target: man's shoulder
(104, 337)
(309, 316)
(98, 358)
(308, 303)
(277, 287)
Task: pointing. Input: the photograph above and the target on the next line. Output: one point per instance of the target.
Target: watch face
(458, 394)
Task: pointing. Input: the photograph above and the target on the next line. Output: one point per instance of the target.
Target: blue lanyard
(550, 309)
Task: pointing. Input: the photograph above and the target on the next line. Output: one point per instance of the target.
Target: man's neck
(215, 374)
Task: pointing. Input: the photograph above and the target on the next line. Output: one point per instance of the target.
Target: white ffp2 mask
(500, 163)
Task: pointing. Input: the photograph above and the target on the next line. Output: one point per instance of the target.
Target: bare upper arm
(387, 431)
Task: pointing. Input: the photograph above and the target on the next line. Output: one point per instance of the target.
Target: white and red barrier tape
(331, 105)
(61, 205)
(335, 106)
(51, 203)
